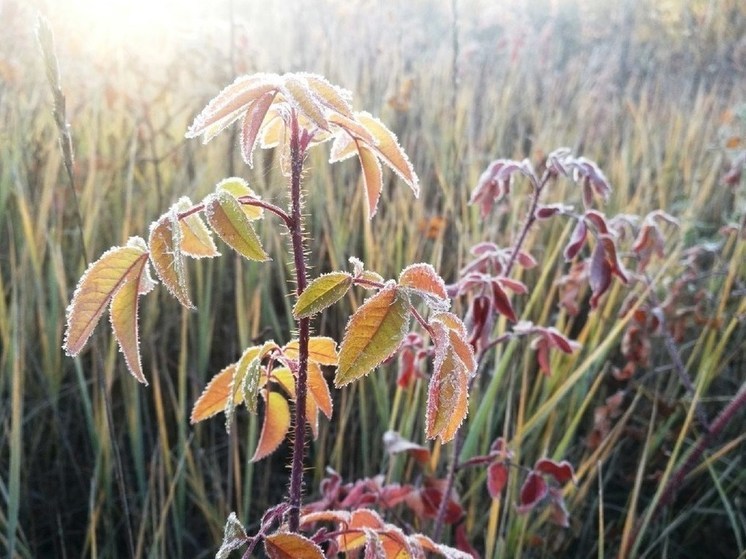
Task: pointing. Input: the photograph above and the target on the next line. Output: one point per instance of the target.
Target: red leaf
(497, 477)
(577, 240)
(462, 541)
(533, 491)
(560, 471)
(599, 274)
(501, 301)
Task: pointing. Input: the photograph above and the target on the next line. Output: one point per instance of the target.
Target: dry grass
(646, 98)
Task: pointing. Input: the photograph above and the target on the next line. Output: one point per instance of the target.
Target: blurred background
(93, 464)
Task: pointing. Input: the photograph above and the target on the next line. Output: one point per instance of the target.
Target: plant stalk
(297, 155)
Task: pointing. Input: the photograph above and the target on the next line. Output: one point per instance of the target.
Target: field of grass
(93, 464)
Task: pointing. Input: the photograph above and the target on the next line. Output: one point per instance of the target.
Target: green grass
(646, 98)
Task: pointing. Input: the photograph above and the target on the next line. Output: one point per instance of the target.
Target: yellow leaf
(286, 545)
(225, 216)
(238, 187)
(123, 312)
(166, 256)
(299, 94)
(275, 427)
(332, 96)
(214, 397)
(321, 293)
(321, 350)
(95, 289)
(285, 378)
(273, 131)
(196, 240)
(373, 333)
(354, 536)
(372, 177)
(387, 146)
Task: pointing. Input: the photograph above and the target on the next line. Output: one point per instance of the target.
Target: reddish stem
(298, 144)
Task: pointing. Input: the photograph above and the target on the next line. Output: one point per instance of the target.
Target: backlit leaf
(196, 239)
(275, 427)
(372, 177)
(300, 95)
(373, 333)
(252, 124)
(285, 378)
(286, 545)
(165, 254)
(318, 387)
(321, 350)
(447, 399)
(423, 277)
(321, 293)
(95, 289)
(214, 397)
(354, 537)
(238, 187)
(336, 98)
(123, 313)
(228, 220)
(387, 146)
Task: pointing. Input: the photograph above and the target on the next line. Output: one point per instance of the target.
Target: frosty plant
(292, 112)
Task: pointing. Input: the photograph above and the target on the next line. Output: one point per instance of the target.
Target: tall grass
(645, 97)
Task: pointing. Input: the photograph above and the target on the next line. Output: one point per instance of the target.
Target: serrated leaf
(321, 293)
(373, 333)
(165, 254)
(234, 536)
(387, 146)
(355, 536)
(238, 187)
(252, 124)
(95, 289)
(321, 350)
(275, 427)
(286, 545)
(424, 278)
(338, 516)
(123, 313)
(372, 177)
(228, 220)
(196, 239)
(285, 378)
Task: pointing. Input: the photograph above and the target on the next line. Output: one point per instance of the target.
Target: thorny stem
(298, 144)
(458, 442)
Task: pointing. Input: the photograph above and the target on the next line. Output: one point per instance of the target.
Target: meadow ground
(94, 464)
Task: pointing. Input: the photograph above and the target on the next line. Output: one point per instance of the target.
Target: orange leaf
(123, 312)
(96, 288)
(196, 240)
(387, 146)
(372, 177)
(332, 96)
(424, 278)
(354, 537)
(373, 333)
(321, 350)
(338, 516)
(286, 545)
(166, 256)
(214, 397)
(276, 425)
(447, 399)
(285, 378)
(318, 387)
(299, 94)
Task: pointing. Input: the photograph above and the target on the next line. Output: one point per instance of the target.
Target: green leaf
(228, 220)
(321, 293)
(234, 537)
(237, 187)
(250, 384)
(373, 333)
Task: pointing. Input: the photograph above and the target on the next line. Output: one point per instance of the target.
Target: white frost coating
(342, 148)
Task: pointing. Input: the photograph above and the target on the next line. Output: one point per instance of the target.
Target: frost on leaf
(196, 239)
(423, 279)
(286, 545)
(228, 220)
(354, 537)
(319, 389)
(372, 177)
(275, 427)
(497, 478)
(98, 286)
(250, 383)
(533, 491)
(321, 350)
(447, 398)
(373, 333)
(234, 537)
(334, 97)
(238, 187)
(321, 293)
(388, 148)
(299, 95)
(165, 254)
(252, 124)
